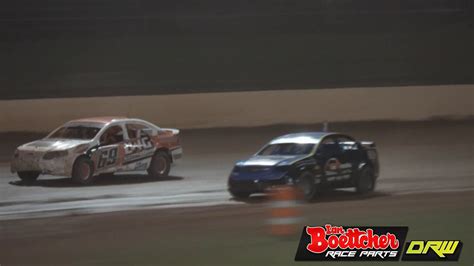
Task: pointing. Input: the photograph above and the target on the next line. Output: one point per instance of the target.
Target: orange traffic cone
(284, 211)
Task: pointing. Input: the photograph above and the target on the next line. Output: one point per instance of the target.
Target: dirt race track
(227, 235)
(415, 157)
(426, 183)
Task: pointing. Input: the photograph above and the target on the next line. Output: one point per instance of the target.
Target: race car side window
(328, 141)
(136, 131)
(328, 147)
(112, 135)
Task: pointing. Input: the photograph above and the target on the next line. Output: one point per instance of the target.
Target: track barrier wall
(245, 109)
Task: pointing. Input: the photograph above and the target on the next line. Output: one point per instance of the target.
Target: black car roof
(303, 137)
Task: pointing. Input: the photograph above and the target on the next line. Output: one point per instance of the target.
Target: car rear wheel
(28, 176)
(305, 183)
(366, 181)
(83, 171)
(160, 165)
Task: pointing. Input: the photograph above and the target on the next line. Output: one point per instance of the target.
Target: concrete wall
(248, 108)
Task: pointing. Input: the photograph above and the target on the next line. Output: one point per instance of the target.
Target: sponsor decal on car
(332, 164)
(107, 157)
(374, 243)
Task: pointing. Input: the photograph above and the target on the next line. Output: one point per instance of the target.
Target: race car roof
(301, 138)
(100, 119)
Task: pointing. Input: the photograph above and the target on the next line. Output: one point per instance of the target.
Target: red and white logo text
(357, 243)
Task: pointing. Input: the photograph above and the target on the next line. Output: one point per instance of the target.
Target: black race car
(312, 161)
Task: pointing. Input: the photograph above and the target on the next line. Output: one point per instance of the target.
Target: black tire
(28, 176)
(160, 165)
(239, 195)
(83, 171)
(305, 183)
(366, 180)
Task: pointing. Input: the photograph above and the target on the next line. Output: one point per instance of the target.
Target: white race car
(89, 147)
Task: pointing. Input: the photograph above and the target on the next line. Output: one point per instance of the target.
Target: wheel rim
(84, 171)
(160, 165)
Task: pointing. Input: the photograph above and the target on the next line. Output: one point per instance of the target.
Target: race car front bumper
(33, 161)
(254, 186)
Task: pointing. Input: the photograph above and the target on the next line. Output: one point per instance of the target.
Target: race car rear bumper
(176, 153)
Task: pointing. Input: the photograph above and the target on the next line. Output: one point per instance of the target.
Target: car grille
(31, 156)
(255, 169)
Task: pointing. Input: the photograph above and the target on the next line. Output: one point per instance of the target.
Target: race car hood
(271, 160)
(52, 144)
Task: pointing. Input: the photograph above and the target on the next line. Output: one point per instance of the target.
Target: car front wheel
(83, 171)
(28, 176)
(305, 183)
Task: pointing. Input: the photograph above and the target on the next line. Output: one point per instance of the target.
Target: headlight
(235, 171)
(54, 154)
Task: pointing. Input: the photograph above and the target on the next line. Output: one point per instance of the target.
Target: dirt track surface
(224, 235)
(415, 157)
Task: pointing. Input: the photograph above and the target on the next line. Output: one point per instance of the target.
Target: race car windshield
(287, 149)
(75, 132)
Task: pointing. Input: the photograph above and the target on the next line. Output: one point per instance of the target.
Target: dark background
(59, 48)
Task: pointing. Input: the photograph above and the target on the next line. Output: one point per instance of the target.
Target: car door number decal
(107, 158)
(332, 165)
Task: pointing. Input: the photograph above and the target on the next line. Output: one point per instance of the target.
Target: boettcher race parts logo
(344, 243)
(351, 243)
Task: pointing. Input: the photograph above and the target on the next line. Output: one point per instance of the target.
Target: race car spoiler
(173, 130)
(368, 144)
